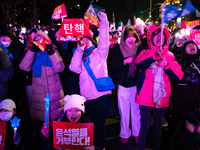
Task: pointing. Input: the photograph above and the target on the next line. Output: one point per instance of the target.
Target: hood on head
(150, 32)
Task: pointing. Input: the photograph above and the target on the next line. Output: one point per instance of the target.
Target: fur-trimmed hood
(149, 34)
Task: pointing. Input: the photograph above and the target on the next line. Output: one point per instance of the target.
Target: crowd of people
(147, 71)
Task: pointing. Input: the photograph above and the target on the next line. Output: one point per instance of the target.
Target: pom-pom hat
(74, 101)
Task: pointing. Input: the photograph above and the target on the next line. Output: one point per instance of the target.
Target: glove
(34, 48)
(49, 49)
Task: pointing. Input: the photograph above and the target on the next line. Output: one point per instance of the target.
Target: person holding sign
(158, 68)
(74, 109)
(88, 58)
(46, 63)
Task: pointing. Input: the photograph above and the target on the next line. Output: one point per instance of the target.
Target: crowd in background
(153, 77)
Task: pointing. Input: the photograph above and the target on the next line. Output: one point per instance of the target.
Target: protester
(7, 112)
(46, 67)
(123, 69)
(186, 95)
(97, 105)
(153, 87)
(74, 109)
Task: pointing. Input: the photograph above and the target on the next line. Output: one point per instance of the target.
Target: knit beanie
(74, 101)
(42, 34)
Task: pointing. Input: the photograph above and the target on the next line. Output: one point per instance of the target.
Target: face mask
(6, 44)
(5, 116)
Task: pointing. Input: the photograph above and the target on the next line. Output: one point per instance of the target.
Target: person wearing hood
(157, 68)
(123, 69)
(186, 95)
(45, 67)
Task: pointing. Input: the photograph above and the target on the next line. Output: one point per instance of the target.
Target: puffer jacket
(146, 78)
(49, 82)
(98, 64)
(188, 63)
(191, 74)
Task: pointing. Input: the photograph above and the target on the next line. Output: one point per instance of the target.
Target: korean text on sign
(74, 136)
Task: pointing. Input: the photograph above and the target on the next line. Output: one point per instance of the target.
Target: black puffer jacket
(190, 65)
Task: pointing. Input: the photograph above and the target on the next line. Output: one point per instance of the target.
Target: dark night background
(24, 14)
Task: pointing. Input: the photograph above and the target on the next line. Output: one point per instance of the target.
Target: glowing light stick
(47, 105)
(15, 123)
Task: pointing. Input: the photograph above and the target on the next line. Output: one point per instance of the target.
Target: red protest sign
(41, 44)
(59, 12)
(73, 136)
(195, 36)
(189, 24)
(72, 29)
(2, 134)
(113, 42)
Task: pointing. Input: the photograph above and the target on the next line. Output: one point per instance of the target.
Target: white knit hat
(74, 101)
(8, 104)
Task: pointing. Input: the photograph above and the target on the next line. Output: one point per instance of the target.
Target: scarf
(87, 53)
(39, 60)
(158, 84)
(129, 52)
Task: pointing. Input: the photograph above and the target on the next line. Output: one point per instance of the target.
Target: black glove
(49, 49)
(34, 48)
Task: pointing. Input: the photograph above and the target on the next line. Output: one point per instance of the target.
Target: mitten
(34, 48)
(49, 49)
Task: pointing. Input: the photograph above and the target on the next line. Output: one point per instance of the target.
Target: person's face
(39, 38)
(157, 39)
(130, 41)
(73, 114)
(88, 42)
(191, 49)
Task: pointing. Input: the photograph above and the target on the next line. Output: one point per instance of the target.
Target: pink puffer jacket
(172, 71)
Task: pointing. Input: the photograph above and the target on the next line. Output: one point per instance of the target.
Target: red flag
(59, 12)
(73, 136)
